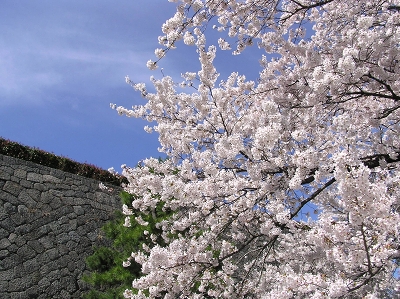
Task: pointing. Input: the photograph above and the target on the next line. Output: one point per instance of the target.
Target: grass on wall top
(16, 150)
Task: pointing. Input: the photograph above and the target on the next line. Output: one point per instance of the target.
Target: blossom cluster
(287, 187)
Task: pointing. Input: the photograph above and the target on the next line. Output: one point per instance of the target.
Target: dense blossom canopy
(287, 187)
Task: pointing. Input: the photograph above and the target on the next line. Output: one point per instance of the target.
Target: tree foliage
(109, 274)
(283, 187)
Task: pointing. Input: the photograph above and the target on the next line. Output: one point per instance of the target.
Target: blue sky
(63, 62)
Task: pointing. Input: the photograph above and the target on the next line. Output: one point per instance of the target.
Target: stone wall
(49, 223)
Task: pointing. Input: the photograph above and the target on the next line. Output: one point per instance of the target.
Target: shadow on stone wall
(49, 223)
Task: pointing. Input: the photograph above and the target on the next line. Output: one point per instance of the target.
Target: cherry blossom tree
(283, 187)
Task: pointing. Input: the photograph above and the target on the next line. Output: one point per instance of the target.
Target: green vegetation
(108, 277)
(16, 150)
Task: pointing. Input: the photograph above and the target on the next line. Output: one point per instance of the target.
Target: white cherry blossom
(283, 187)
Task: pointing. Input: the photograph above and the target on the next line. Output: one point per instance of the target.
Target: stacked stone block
(50, 222)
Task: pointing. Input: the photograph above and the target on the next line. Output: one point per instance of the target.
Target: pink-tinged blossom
(152, 65)
(287, 186)
(127, 222)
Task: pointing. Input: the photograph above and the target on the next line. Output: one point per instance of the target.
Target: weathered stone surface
(5, 172)
(26, 252)
(3, 233)
(25, 184)
(4, 253)
(7, 224)
(4, 243)
(20, 173)
(51, 179)
(49, 223)
(35, 177)
(36, 245)
(79, 210)
(10, 208)
(12, 188)
(25, 198)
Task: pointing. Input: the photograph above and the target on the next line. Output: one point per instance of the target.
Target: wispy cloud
(61, 64)
(71, 45)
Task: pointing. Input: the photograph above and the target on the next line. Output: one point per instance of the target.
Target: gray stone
(10, 208)
(45, 210)
(55, 290)
(63, 261)
(52, 253)
(63, 238)
(79, 210)
(73, 256)
(72, 245)
(69, 282)
(6, 275)
(65, 210)
(19, 241)
(3, 215)
(12, 248)
(8, 197)
(36, 245)
(10, 262)
(92, 236)
(34, 194)
(5, 173)
(73, 224)
(26, 184)
(55, 227)
(22, 209)
(55, 203)
(3, 285)
(23, 229)
(26, 252)
(35, 177)
(56, 193)
(10, 160)
(43, 284)
(46, 197)
(72, 216)
(18, 219)
(66, 189)
(7, 224)
(41, 231)
(31, 266)
(20, 173)
(40, 187)
(15, 179)
(47, 242)
(72, 267)
(63, 249)
(51, 179)
(49, 266)
(74, 236)
(64, 293)
(90, 196)
(58, 173)
(70, 193)
(12, 188)
(25, 198)
(49, 223)
(63, 220)
(4, 243)
(18, 295)
(19, 284)
(4, 253)
(32, 292)
(3, 233)
(12, 237)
